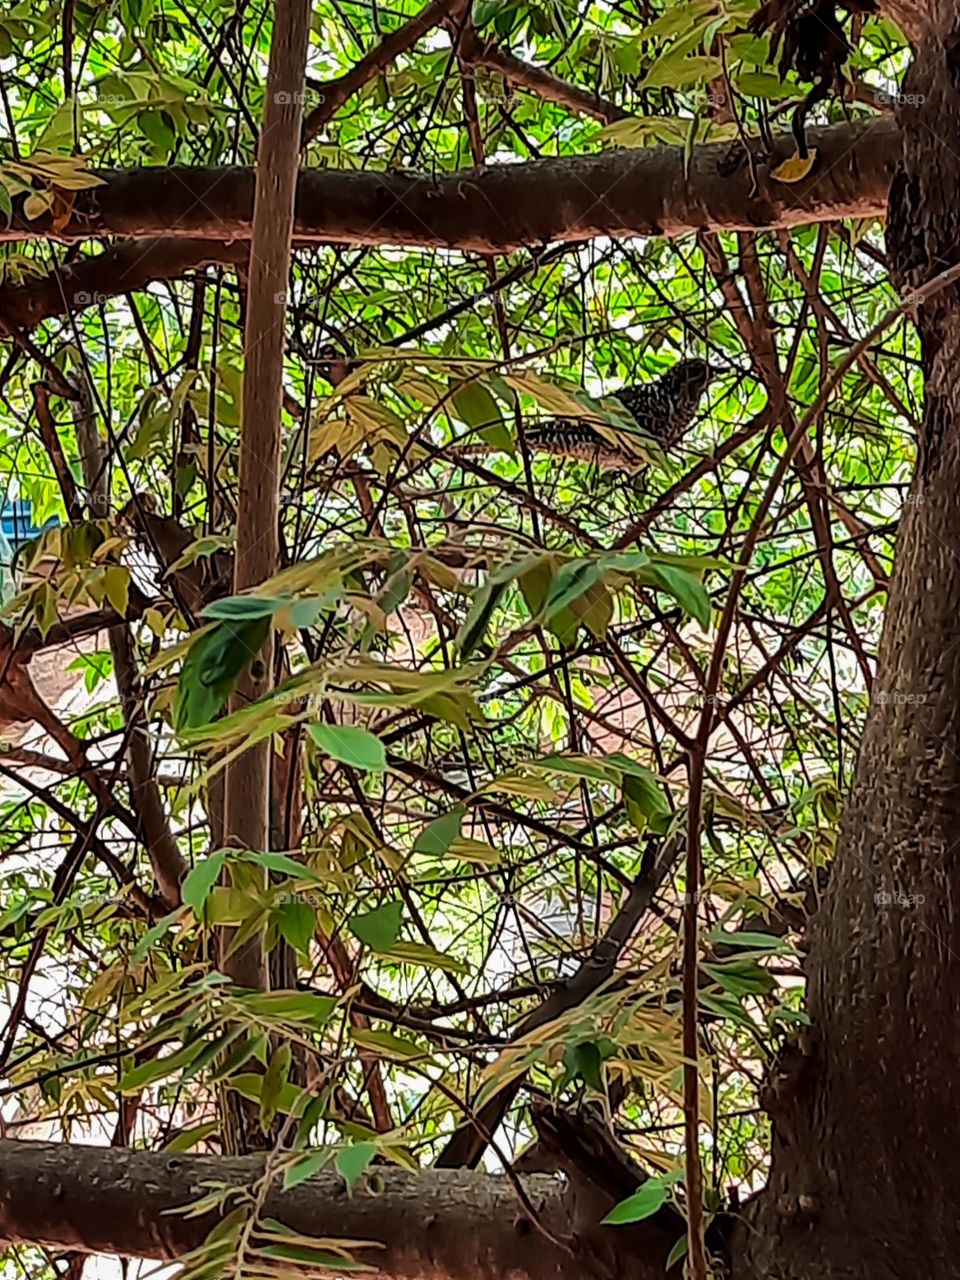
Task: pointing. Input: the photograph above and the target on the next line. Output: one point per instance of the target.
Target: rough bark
(867, 1114)
(425, 1226)
(505, 207)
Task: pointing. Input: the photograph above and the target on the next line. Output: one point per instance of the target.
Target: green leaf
(740, 977)
(156, 1069)
(672, 72)
(316, 1259)
(586, 1061)
(304, 613)
(250, 1086)
(154, 934)
(214, 1050)
(422, 954)
(678, 1251)
(475, 624)
(157, 127)
(273, 1081)
(281, 862)
(380, 928)
(241, 1055)
(644, 1203)
(297, 922)
(763, 84)
(292, 1006)
(188, 1138)
(212, 667)
(688, 591)
(579, 766)
(306, 1167)
(569, 584)
(749, 941)
(437, 836)
(198, 883)
(646, 793)
(116, 587)
(243, 608)
(350, 745)
(475, 405)
(385, 1043)
(351, 1162)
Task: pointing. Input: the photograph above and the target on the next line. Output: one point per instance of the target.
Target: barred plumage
(663, 410)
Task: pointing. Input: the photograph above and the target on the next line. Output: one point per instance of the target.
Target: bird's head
(697, 374)
(333, 364)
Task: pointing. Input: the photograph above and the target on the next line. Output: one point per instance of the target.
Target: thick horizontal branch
(423, 1226)
(505, 207)
(86, 282)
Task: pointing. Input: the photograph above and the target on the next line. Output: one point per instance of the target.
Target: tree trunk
(867, 1115)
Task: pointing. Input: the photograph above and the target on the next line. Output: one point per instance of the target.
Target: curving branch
(489, 55)
(332, 95)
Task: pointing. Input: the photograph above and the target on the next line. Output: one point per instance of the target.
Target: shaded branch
(431, 1226)
(121, 269)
